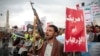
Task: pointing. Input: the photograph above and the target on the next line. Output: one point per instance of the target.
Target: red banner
(75, 31)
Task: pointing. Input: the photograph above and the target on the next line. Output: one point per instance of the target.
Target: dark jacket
(4, 51)
(5, 40)
(57, 49)
(96, 38)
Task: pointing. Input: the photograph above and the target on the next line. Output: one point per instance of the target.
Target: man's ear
(56, 34)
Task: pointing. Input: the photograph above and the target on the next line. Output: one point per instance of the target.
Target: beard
(49, 37)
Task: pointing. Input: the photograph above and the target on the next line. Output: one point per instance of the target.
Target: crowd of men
(93, 33)
(36, 45)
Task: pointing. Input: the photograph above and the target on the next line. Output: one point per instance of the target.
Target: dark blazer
(57, 49)
(96, 38)
(4, 52)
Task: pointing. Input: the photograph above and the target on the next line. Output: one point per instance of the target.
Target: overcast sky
(20, 10)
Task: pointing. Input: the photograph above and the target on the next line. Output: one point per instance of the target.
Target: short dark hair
(97, 26)
(54, 27)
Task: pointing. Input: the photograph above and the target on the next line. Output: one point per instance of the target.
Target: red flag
(75, 31)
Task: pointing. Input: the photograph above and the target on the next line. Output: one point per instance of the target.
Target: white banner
(88, 14)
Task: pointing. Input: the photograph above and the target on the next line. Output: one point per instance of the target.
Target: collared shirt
(60, 38)
(97, 34)
(48, 50)
(87, 37)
